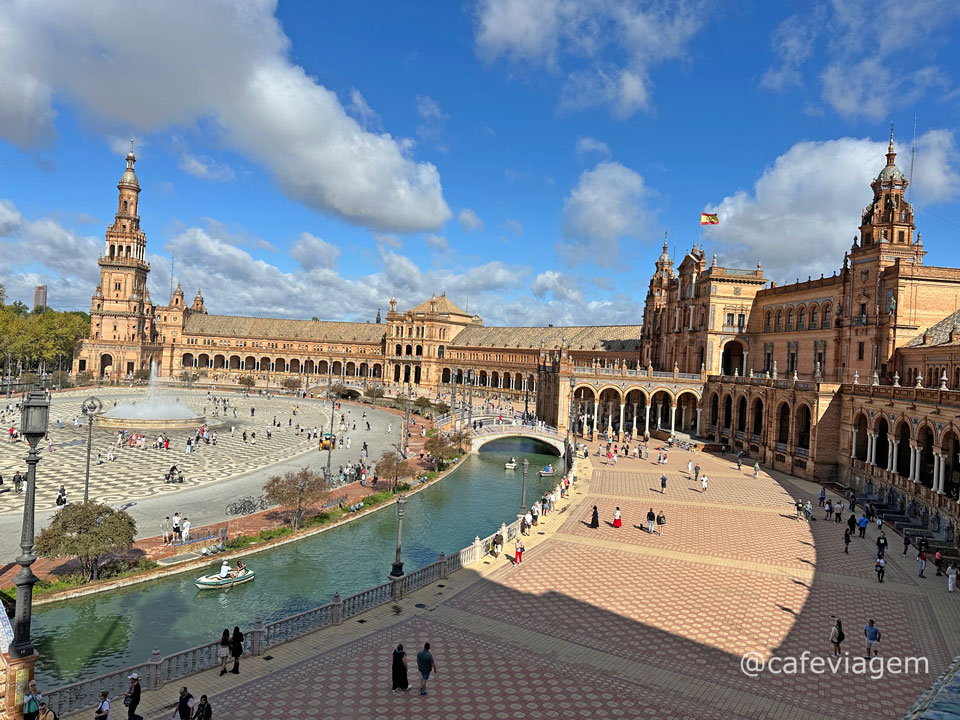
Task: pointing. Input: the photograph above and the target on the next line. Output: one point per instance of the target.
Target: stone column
(942, 474)
(699, 428)
(656, 414)
(935, 480)
(646, 417)
(743, 370)
(620, 431)
(853, 443)
(894, 455)
(871, 447)
(609, 418)
(913, 463)
(596, 410)
(891, 445)
(683, 417)
(673, 417)
(635, 406)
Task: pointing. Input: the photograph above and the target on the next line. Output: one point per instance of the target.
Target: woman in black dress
(236, 649)
(400, 681)
(595, 520)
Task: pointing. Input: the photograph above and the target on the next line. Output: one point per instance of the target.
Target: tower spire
(891, 153)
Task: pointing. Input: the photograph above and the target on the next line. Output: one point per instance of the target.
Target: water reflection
(89, 636)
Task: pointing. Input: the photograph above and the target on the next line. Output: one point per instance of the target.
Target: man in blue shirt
(862, 524)
(426, 665)
(872, 633)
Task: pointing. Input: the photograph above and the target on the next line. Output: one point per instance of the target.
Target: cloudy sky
(525, 156)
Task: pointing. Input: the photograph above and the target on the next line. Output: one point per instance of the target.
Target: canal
(89, 636)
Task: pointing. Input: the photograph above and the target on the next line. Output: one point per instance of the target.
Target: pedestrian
(103, 709)
(223, 650)
(663, 484)
(236, 649)
(846, 541)
(756, 470)
(185, 528)
(822, 496)
(881, 544)
(517, 551)
(808, 510)
(938, 563)
(595, 519)
(739, 463)
(799, 506)
(203, 710)
(862, 524)
(176, 526)
(400, 681)
(879, 522)
(836, 637)
(837, 510)
(922, 557)
(880, 566)
(689, 467)
(165, 529)
(528, 522)
(617, 522)
(184, 704)
(497, 545)
(46, 713)
(31, 701)
(426, 665)
(852, 524)
(872, 633)
(651, 519)
(132, 697)
(703, 484)
(828, 509)
(952, 577)
(696, 472)
(661, 521)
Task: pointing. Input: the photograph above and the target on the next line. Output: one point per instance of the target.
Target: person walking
(517, 551)
(426, 665)
(651, 520)
(703, 484)
(846, 541)
(837, 510)
(880, 567)
(696, 472)
(952, 577)
(203, 709)
(663, 484)
(497, 544)
(822, 497)
(689, 467)
(223, 650)
(132, 697)
(739, 463)
(756, 470)
(31, 701)
(400, 681)
(938, 563)
(236, 649)
(862, 524)
(103, 709)
(617, 522)
(828, 508)
(836, 637)
(184, 709)
(595, 518)
(799, 506)
(872, 634)
(881, 544)
(923, 563)
(46, 713)
(165, 529)
(185, 528)
(852, 523)
(906, 542)
(661, 521)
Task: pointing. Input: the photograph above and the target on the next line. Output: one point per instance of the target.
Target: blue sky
(524, 156)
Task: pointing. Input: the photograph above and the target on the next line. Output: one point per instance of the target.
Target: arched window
(789, 319)
(766, 322)
(826, 316)
(801, 318)
(814, 317)
(778, 326)
(124, 205)
(440, 351)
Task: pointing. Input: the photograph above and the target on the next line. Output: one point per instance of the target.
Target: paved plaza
(616, 623)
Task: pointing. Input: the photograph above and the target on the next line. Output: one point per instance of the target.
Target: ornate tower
(655, 320)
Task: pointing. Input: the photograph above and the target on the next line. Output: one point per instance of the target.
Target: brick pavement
(617, 623)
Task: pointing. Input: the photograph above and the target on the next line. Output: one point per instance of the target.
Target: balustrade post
(256, 636)
(443, 566)
(335, 609)
(396, 587)
(154, 670)
(477, 554)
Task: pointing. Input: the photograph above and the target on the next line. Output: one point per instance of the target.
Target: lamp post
(330, 442)
(397, 570)
(90, 407)
(33, 425)
(470, 411)
(406, 423)
(59, 369)
(570, 435)
(523, 495)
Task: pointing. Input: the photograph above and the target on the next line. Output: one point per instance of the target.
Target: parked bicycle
(247, 505)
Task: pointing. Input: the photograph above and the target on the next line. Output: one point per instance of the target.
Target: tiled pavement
(618, 623)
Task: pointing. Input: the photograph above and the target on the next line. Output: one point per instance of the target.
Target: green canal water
(82, 638)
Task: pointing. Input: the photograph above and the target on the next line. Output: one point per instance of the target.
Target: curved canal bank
(85, 637)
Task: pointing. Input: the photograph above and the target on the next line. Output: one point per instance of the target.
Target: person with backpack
(836, 637)
(46, 713)
(31, 701)
(203, 710)
(132, 697)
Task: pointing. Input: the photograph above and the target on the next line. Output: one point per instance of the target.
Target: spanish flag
(709, 219)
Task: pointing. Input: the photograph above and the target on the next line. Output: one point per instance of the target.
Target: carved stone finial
(736, 372)
(795, 378)
(876, 378)
(896, 379)
(919, 381)
(774, 373)
(856, 377)
(750, 374)
(943, 380)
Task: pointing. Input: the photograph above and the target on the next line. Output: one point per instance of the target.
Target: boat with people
(547, 471)
(227, 577)
(511, 464)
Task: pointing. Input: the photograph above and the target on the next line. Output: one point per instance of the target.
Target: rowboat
(548, 471)
(215, 581)
(511, 464)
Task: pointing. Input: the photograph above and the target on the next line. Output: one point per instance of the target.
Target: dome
(891, 173)
(129, 178)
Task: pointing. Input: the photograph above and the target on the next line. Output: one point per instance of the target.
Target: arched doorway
(882, 452)
(445, 376)
(715, 410)
(686, 418)
(416, 375)
(660, 416)
(742, 414)
(583, 408)
(925, 441)
(803, 427)
(727, 412)
(783, 426)
(903, 449)
(106, 364)
(187, 360)
(757, 428)
(732, 358)
(860, 440)
(609, 412)
(951, 457)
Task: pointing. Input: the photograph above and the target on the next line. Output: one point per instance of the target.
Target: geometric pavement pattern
(613, 622)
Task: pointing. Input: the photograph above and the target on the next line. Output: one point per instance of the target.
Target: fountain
(155, 411)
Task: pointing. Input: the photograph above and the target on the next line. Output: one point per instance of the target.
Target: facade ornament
(736, 372)
(919, 381)
(774, 373)
(750, 374)
(896, 379)
(818, 373)
(795, 378)
(767, 375)
(943, 380)
(856, 377)
(876, 378)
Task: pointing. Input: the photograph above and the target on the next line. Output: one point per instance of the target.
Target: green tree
(189, 377)
(440, 449)
(295, 489)
(84, 378)
(88, 532)
(442, 408)
(459, 437)
(247, 381)
(422, 404)
(373, 392)
(340, 390)
(290, 383)
(141, 374)
(392, 466)
(19, 308)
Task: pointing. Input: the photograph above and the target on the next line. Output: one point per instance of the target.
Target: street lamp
(470, 412)
(523, 496)
(33, 425)
(330, 440)
(570, 435)
(90, 407)
(406, 423)
(401, 509)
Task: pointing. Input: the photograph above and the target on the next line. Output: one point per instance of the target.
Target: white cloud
(205, 168)
(10, 218)
(514, 226)
(469, 220)
(121, 145)
(608, 203)
(560, 286)
(865, 53)
(313, 252)
(428, 108)
(437, 243)
(364, 114)
(796, 204)
(587, 145)
(605, 48)
(215, 60)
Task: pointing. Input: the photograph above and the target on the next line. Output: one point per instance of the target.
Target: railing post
(396, 587)
(477, 554)
(335, 606)
(443, 566)
(256, 636)
(155, 670)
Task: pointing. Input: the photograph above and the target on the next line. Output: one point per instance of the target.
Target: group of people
(655, 521)
(176, 529)
(426, 665)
